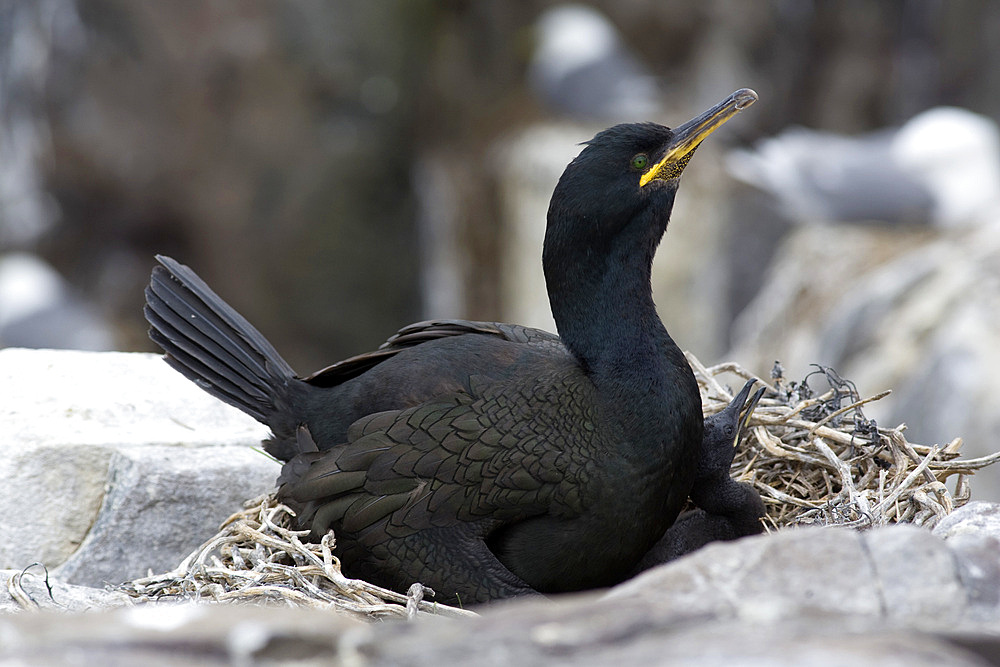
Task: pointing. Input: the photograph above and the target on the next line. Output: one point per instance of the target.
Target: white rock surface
(976, 518)
(89, 439)
(899, 572)
(60, 397)
(820, 597)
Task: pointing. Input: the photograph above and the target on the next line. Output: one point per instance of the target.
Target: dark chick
(489, 460)
(726, 509)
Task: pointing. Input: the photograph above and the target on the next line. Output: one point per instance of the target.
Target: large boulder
(896, 595)
(113, 463)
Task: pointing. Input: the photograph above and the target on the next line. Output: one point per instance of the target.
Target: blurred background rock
(336, 170)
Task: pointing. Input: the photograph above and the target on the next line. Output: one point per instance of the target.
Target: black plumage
(489, 460)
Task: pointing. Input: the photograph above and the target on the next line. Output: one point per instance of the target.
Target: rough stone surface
(789, 573)
(189, 634)
(173, 498)
(903, 573)
(973, 534)
(527, 635)
(110, 399)
(65, 485)
(812, 596)
(916, 574)
(976, 518)
(77, 425)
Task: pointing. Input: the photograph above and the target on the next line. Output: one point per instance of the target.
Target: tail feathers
(213, 345)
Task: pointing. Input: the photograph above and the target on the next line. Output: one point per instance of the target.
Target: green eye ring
(639, 162)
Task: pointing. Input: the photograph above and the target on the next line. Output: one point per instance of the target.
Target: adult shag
(489, 460)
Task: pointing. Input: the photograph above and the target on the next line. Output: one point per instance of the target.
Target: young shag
(724, 508)
(489, 460)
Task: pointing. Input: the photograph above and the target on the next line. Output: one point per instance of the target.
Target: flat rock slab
(203, 635)
(113, 463)
(901, 573)
(67, 397)
(813, 596)
(175, 634)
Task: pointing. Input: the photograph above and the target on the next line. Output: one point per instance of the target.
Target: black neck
(603, 306)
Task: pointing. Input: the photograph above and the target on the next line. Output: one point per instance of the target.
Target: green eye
(640, 162)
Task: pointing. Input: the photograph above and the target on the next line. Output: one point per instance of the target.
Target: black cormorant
(489, 460)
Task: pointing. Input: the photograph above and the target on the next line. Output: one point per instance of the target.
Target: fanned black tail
(216, 348)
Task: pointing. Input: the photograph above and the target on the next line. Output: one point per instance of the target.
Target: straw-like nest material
(814, 458)
(256, 557)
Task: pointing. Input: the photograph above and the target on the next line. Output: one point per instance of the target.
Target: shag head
(629, 173)
(725, 429)
(612, 203)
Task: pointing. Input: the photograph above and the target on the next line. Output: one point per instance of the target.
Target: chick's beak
(688, 136)
(746, 413)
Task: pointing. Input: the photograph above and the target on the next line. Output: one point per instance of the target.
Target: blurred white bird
(942, 167)
(583, 68)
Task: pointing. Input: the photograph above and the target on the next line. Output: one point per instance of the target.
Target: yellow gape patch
(664, 170)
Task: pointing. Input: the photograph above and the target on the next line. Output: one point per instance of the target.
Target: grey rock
(978, 518)
(65, 485)
(528, 635)
(977, 559)
(118, 453)
(900, 573)
(169, 500)
(972, 532)
(767, 578)
(168, 634)
(66, 398)
(578, 630)
(916, 574)
(810, 596)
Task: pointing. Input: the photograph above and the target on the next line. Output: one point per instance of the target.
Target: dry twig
(814, 466)
(256, 557)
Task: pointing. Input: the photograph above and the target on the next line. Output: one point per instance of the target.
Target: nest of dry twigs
(814, 457)
(257, 558)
